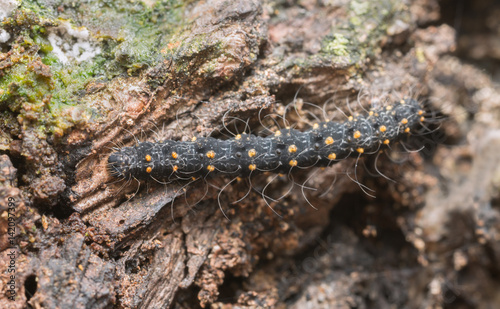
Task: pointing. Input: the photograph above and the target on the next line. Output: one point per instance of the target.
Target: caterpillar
(287, 149)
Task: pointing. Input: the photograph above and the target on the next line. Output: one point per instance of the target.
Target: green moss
(366, 26)
(338, 46)
(359, 9)
(33, 87)
(359, 36)
(40, 91)
(133, 33)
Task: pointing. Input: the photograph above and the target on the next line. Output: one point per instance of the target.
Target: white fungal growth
(72, 43)
(4, 36)
(6, 7)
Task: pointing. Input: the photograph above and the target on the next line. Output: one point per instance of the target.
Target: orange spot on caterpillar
(211, 168)
(329, 140)
(211, 154)
(175, 168)
(386, 142)
(237, 137)
(407, 130)
(252, 153)
(149, 169)
(360, 150)
(292, 149)
(252, 167)
(193, 139)
(332, 156)
(404, 121)
(175, 155)
(293, 162)
(382, 128)
(148, 158)
(357, 134)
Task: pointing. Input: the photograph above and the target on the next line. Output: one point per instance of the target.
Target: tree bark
(105, 243)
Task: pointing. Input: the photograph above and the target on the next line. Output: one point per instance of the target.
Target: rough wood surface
(430, 238)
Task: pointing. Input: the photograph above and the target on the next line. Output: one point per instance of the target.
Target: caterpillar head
(124, 163)
(120, 163)
(132, 162)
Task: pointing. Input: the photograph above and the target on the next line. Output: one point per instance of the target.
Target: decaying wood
(170, 245)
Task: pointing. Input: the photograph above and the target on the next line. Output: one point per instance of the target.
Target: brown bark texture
(429, 238)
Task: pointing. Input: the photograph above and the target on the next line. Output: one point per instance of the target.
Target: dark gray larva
(288, 149)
